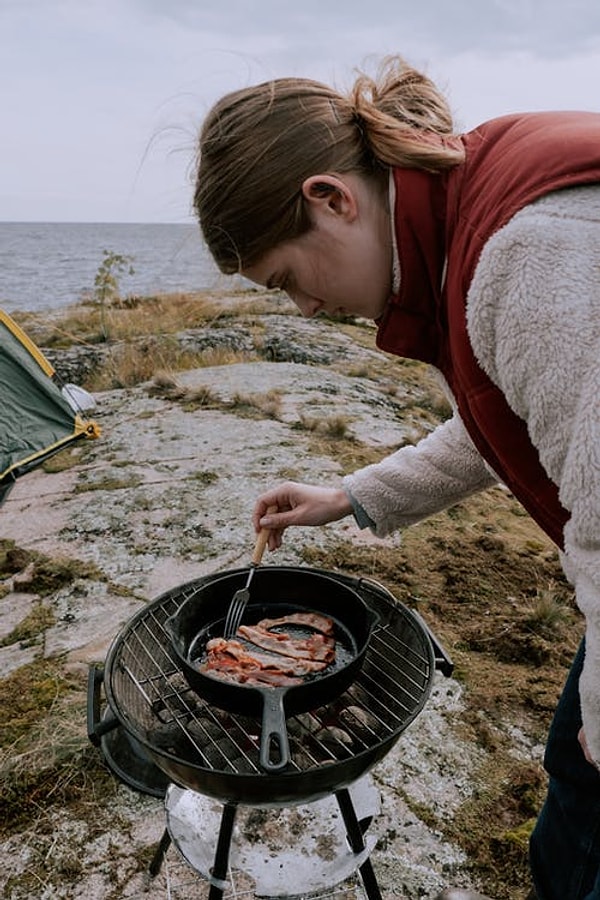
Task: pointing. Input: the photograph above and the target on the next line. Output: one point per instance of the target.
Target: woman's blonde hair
(259, 144)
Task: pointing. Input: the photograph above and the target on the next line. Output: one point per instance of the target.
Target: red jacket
(442, 223)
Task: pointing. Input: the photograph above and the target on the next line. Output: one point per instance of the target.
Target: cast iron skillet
(274, 592)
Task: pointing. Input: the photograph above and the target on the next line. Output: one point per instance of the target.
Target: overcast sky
(101, 99)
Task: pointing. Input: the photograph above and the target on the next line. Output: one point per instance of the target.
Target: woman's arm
(416, 482)
(403, 488)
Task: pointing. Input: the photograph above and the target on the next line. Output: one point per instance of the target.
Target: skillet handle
(274, 743)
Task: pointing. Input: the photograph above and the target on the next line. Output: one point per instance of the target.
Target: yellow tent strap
(28, 343)
(89, 428)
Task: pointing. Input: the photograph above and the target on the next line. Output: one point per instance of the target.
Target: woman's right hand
(298, 504)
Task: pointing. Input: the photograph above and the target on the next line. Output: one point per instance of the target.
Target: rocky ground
(164, 497)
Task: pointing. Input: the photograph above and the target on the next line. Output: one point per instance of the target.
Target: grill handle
(96, 724)
(443, 661)
(274, 743)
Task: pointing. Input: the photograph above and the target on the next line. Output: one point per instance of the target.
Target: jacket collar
(411, 324)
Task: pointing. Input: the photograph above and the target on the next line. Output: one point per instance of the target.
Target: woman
(479, 254)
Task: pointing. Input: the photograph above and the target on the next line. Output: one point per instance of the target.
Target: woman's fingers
(298, 504)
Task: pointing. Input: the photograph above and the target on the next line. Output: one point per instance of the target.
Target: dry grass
(267, 405)
(46, 760)
(130, 364)
(164, 314)
(335, 427)
(140, 338)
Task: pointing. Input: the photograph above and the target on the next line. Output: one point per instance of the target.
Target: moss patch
(64, 460)
(40, 574)
(31, 627)
(13, 559)
(74, 783)
(51, 574)
(27, 694)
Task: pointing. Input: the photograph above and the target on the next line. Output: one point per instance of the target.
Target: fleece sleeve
(534, 321)
(416, 482)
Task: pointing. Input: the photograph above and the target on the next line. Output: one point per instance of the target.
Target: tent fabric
(36, 420)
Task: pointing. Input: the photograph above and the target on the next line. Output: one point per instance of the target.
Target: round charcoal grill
(217, 753)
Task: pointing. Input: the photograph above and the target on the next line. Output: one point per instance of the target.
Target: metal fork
(240, 599)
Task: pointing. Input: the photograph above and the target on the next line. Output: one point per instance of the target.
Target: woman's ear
(326, 193)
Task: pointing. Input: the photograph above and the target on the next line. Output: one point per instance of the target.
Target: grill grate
(151, 695)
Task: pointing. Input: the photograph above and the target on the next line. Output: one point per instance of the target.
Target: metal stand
(218, 880)
(357, 843)
(159, 855)
(218, 873)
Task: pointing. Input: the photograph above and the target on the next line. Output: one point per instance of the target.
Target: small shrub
(547, 612)
(201, 397)
(268, 404)
(106, 283)
(335, 427)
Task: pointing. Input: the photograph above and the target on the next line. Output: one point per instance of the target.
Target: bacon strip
(307, 619)
(287, 659)
(225, 668)
(316, 647)
(232, 654)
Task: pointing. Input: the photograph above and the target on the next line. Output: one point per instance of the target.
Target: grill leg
(157, 859)
(357, 844)
(218, 879)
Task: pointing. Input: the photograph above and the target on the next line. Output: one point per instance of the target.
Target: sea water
(46, 266)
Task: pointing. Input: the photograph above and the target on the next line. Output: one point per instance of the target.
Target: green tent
(38, 416)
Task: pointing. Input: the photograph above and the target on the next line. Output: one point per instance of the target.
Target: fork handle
(261, 541)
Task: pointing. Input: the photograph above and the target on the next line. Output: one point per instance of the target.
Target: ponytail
(406, 120)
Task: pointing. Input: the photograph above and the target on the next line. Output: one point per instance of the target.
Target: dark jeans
(565, 844)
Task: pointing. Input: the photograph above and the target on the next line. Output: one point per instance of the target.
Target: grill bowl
(217, 753)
